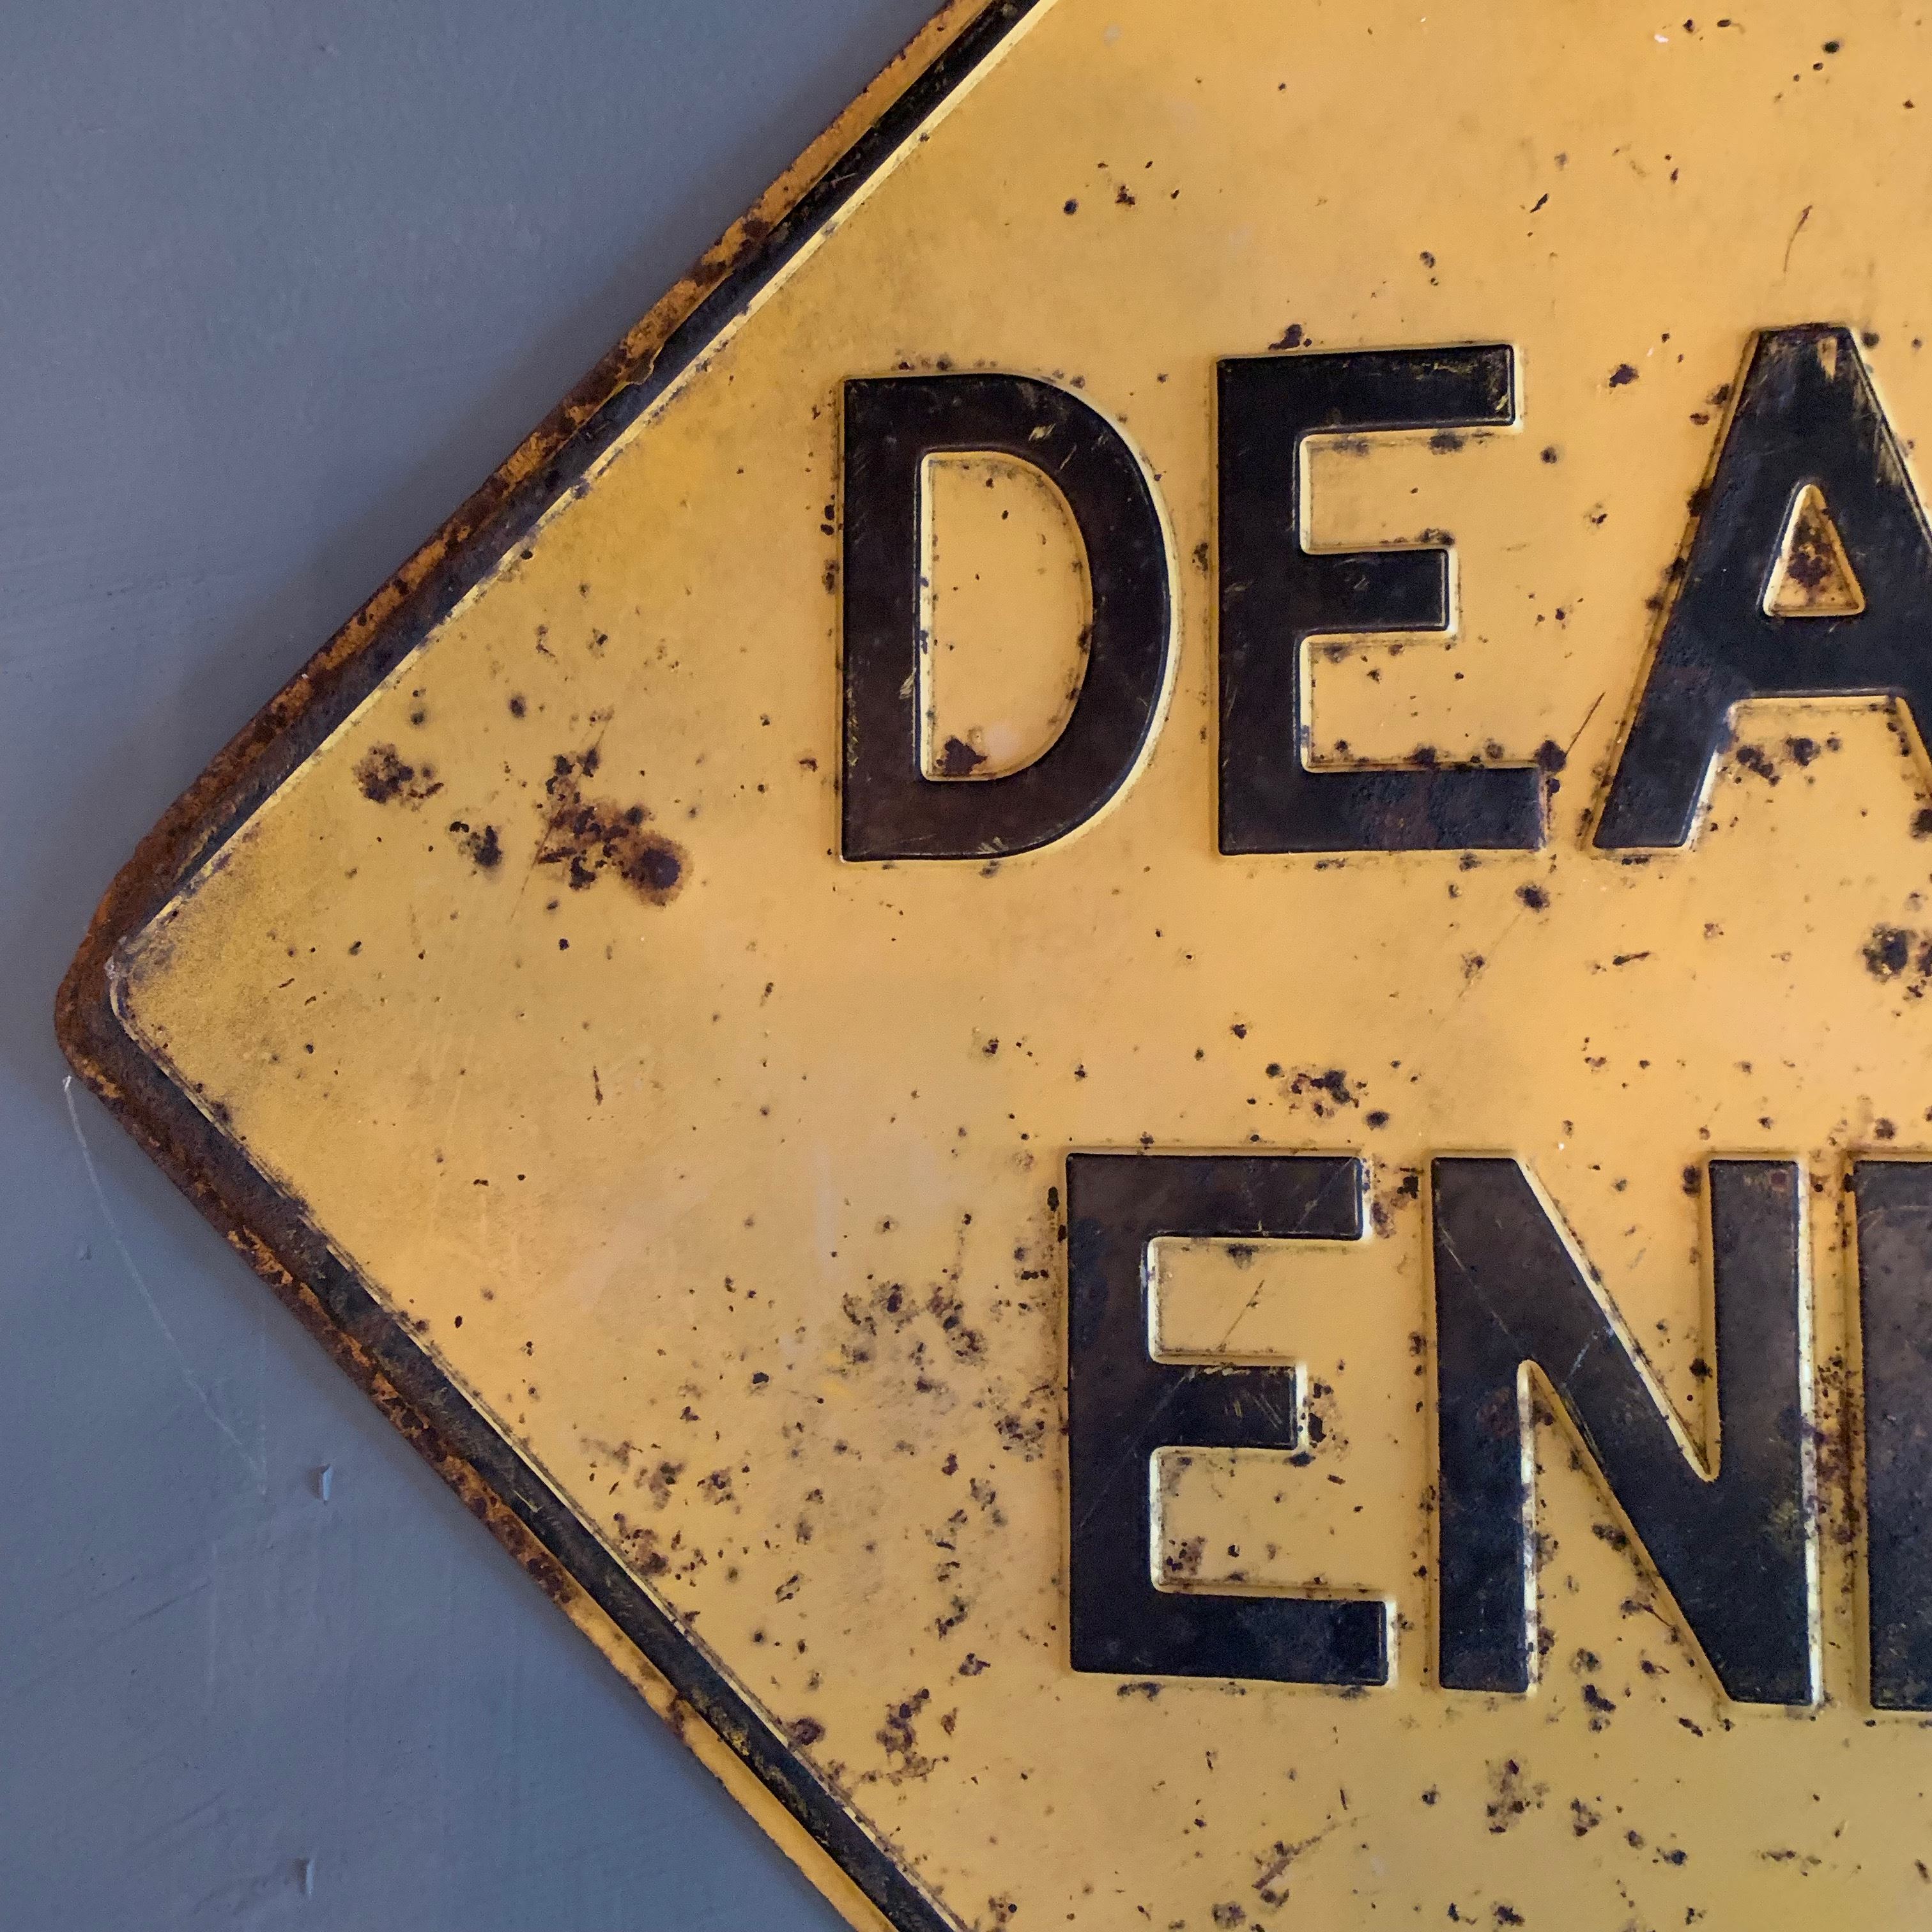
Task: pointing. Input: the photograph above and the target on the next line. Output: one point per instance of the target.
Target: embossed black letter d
(891, 808)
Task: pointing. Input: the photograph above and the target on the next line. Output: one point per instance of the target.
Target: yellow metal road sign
(1114, 1003)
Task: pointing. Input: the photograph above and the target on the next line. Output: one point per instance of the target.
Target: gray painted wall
(279, 285)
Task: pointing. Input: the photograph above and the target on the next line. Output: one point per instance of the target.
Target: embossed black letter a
(1808, 427)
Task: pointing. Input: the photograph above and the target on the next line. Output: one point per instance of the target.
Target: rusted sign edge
(271, 1227)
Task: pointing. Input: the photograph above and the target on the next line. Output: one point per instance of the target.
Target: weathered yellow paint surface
(717, 1170)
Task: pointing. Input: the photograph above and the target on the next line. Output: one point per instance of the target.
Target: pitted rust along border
(265, 1223)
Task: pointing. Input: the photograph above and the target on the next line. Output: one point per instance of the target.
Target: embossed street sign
(1114, 1003)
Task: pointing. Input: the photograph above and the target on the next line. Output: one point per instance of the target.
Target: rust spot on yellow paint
(384, 777)
(588, 837)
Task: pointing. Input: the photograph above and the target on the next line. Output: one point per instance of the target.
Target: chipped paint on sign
(1197, 1186)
